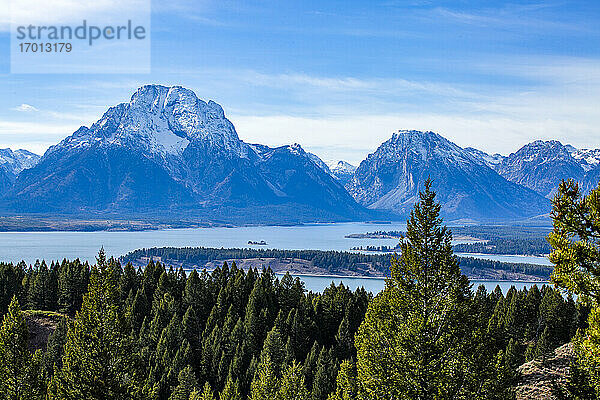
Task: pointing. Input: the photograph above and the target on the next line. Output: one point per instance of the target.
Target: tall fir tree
(19, 368)
(575, 241)
(186, 386)
(205, 394)
(292, 384)
(231, 391)
(414, 340)
(346, 388)
(265, 384)
(97, 361)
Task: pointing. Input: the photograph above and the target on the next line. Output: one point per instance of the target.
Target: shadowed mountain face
(542, 165)
(12, 163)
(391, 177)
(166, 151)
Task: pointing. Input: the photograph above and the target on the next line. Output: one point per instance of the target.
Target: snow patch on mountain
(16, 161)
(319, 162)
(491, 160)
(589, 158)
(542, 165)
(341, 167)
(160, 121)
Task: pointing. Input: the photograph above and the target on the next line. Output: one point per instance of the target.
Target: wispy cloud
(33, 136)
(25, 108)
(533, 16)
(557, 99)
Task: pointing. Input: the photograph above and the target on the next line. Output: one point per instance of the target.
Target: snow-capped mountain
(542, 165)
(391, 177)
(491, 160)
(12, 163)
(167, 151)
(588, 158)
(320, 163)
(342, 171)
(17, 160)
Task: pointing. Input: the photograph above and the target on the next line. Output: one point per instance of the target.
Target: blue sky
(339, 77)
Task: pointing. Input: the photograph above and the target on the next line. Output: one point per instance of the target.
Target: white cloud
(33, 136)
(25, 108)
(556, 98)
(352, 138)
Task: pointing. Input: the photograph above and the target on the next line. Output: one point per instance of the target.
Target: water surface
(30, 246)
(375, 285)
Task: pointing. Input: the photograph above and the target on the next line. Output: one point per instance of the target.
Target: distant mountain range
(392, 176)
(541, 165)
(12, 163)
(167, 153)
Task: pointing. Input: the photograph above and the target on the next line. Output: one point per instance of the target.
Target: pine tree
(97, 361)
(346, 388)
(575, 241)
(265, 384)
(292, 384)
(543, 346)
(187, 384)
(18, 367)
(274, 350)
(310, 364)
(52, 357)
(414, 340)
(231, 391)
(502, 386)
(205, 394)
(326, 372)
(344, 340)
(11, 283)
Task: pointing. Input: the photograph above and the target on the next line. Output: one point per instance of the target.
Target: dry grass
(537, 379)
(41, 324)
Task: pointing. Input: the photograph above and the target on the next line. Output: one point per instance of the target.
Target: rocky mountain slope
(538, 380)
(343, 171)
(491, 160)
(542, 165)
(12, 163)
(167, 151)
(391, 177)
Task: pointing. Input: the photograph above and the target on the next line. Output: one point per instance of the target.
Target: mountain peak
(391, 177)
(422, 145)
(14, 161)
(411, 134)
(160, 120)
(541, 165)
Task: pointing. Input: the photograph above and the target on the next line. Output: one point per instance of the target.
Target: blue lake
(31, 246)
(375, 285)
(511, 258)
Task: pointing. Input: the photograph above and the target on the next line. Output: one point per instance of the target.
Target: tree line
(531, 246)
(159, 333)
(331, 261)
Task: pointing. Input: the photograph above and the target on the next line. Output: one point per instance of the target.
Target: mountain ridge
(169, 151)
(390, 178)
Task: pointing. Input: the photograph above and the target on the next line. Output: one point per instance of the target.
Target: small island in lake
(261, 243)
